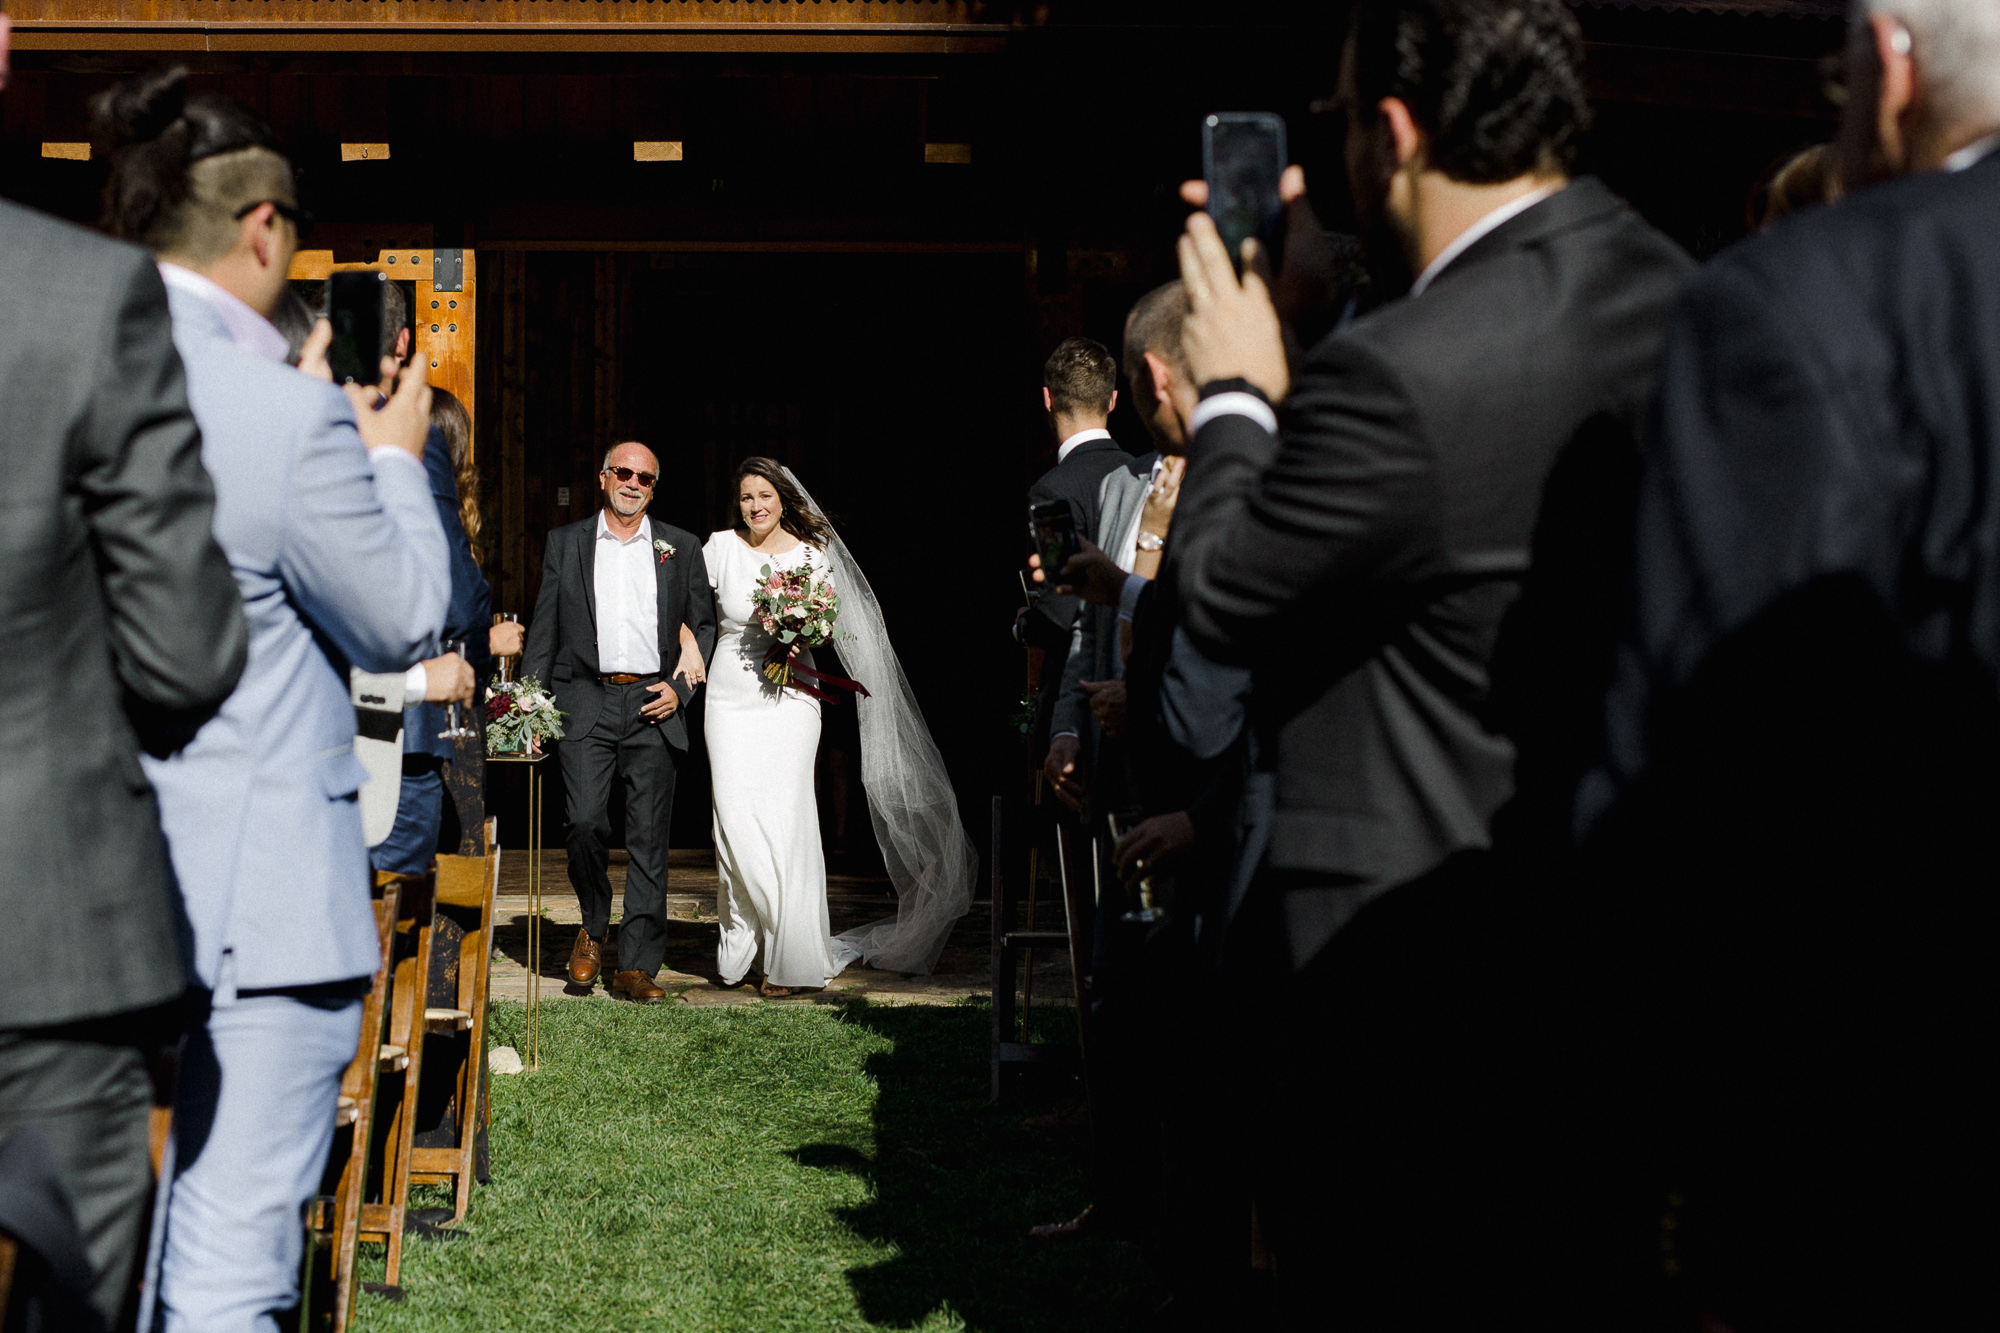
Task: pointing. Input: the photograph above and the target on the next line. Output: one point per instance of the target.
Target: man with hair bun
(328, 523)
(1803, 765)
(1356, 532)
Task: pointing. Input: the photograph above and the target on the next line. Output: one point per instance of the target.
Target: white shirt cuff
(1128, 596)
(416, 682)
(1060, 734)
(376, 455)
(1236, 404)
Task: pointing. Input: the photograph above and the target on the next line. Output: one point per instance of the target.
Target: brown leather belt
(618, 680)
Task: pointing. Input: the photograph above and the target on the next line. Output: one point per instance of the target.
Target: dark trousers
(622, 750)
(85, 1091)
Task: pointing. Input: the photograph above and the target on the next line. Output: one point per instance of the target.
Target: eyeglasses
(645, 479)
(298, 217)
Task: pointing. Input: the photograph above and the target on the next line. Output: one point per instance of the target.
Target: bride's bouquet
(798, 609)
(517, 710)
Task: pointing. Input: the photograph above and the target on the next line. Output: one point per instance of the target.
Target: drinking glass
(456, 728)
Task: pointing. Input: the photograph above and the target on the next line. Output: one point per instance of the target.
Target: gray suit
(1093, 647)
(339, 562)
(110, 585)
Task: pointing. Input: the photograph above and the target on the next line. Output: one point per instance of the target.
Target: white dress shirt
(1972, 153)
(628, 601)
(1513, 208)
(1068, 447)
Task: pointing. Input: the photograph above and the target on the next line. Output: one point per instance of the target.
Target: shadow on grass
(958, 1182)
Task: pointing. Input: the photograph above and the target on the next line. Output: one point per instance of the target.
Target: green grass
(762, 1169)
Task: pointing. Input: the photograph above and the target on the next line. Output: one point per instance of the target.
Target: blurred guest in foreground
(329, 527)
(1804, 737)
(119, 627)
(1356, 534)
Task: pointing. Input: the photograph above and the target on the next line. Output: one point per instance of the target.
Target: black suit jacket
(1074, 480)
(112, 590)
(1363, 568)
(1829, 410)
(562, 640)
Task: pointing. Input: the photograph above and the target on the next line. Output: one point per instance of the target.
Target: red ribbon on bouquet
(779, 667)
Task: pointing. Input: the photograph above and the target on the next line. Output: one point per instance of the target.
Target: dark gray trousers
(622, 751)
(84, 1088)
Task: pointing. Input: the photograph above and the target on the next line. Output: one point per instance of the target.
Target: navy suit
(420, 807)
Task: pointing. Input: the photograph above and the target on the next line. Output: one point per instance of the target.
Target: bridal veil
(910, 799)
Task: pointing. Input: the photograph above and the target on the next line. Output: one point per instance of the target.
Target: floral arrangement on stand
(798, 608)
(517, 710)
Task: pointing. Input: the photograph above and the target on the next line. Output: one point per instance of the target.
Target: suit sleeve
(538, 655)
(1072, 710)
(364, 551)
(1751, 482)
(175, 617)
(470, 615)
(1275, 538)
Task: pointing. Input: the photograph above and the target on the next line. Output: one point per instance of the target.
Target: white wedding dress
(762, 742)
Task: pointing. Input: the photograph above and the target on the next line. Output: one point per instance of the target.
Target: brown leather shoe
(585, 959)
(637, 987)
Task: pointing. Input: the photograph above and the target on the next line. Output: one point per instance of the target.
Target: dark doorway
(898, 386)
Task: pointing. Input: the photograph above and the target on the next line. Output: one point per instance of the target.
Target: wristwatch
(1151, 541)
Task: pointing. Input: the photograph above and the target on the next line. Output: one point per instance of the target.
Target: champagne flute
(1145, 913)
(456, 728)
(506, 663)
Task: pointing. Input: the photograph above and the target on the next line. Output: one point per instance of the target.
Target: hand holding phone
(1054, 531)
(356, 307)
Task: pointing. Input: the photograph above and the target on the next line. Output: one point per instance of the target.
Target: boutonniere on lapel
(665, 549)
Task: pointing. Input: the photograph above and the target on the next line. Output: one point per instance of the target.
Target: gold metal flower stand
(531, 1034)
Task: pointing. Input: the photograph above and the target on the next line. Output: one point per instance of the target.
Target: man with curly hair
(1357, 530)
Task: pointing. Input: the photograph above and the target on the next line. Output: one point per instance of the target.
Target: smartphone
(356, 307)
(1242, 157)
(1054, 530)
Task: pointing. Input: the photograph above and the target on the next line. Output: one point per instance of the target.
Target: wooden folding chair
(401, 1067)
(333, 1219)
(451, 1101)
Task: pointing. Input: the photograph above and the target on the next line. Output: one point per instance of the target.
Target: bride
(762, 740)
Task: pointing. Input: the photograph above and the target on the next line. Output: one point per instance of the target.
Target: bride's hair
(800, 519)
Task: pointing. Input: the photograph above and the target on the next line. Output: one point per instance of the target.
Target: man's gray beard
(624, 513)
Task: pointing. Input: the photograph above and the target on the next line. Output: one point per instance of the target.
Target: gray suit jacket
(110, 585)
(338, 562)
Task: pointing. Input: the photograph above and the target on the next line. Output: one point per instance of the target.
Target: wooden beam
(410, 37)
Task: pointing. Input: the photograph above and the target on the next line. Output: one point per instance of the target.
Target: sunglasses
(645, 479)
(300, 219)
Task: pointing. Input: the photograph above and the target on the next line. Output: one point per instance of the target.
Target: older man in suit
(324, 513)
(119, 626)
(622, 597)
(1804, 735)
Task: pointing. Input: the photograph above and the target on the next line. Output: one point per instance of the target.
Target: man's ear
(1405, 138)
(255, 232)
(1163, 376)
(1111, 406)
(403, 344)
(1896, 88)
(1048, 400)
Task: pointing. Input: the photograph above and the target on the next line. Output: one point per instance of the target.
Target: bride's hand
(690, 668)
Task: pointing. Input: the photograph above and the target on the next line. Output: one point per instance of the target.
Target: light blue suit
(338, 562)
(335, 560)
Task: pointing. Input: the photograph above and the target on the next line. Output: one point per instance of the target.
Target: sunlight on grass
(757, 1169)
